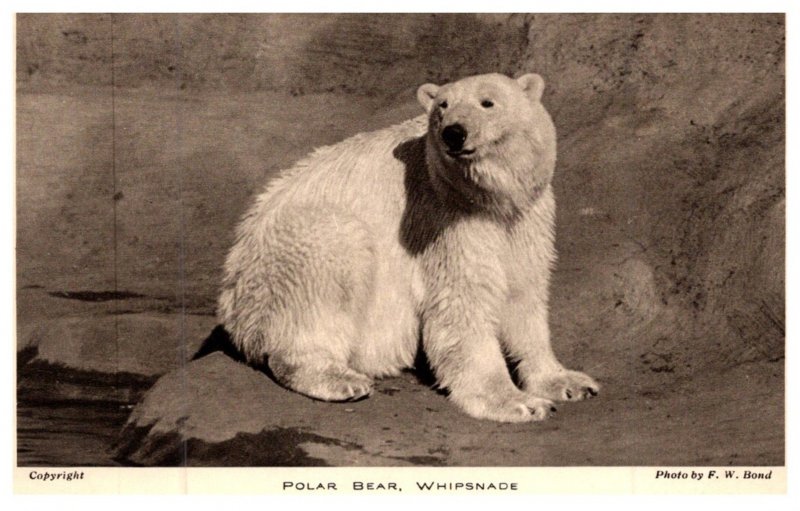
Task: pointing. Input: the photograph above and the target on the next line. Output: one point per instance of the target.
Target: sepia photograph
(400, 240)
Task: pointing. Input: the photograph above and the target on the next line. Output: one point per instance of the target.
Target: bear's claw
(565, 386)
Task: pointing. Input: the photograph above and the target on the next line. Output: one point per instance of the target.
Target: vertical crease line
(181, 235)
(114, 206)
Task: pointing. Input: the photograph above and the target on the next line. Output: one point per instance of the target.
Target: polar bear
(435, 233)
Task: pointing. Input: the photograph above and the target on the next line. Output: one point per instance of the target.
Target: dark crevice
(96, 296)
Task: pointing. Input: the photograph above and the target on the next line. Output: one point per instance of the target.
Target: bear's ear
(533, 85)
(425, 95)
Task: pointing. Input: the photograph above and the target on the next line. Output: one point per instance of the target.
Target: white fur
(346, 258)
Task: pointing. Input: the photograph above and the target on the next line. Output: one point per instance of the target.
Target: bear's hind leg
(316, 364)
(321, 380)
(297, 288)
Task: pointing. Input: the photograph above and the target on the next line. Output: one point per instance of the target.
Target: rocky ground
(670, 184)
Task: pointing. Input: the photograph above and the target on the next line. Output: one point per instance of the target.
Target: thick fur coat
(439, 229)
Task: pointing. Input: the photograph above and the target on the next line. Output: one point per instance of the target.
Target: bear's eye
(487, 103)
(443, 105)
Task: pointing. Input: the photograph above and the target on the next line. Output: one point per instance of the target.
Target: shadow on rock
(279, 447)
(219, 340)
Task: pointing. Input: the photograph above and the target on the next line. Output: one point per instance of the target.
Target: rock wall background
(671, 221)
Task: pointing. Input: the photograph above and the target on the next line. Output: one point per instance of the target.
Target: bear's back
(362, 173)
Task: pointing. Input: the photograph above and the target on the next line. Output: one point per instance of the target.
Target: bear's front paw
(521, 408)
(564, 386)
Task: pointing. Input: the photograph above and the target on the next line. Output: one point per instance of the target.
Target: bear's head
(490, 144)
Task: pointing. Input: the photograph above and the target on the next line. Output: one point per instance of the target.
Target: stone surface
(145, 344)
(219, 412)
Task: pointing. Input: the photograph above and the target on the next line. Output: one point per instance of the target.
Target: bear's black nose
(454, 136)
